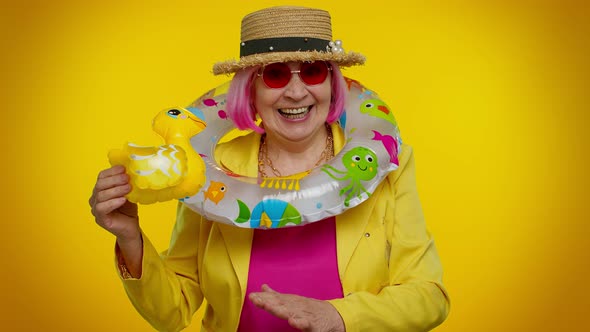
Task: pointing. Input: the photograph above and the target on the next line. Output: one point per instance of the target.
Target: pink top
(292, 260)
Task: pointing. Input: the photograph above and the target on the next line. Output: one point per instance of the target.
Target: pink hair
(241, 109)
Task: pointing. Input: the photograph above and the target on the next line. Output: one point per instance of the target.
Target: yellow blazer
(389, 267)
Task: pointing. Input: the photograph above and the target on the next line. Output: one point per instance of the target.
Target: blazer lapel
(238, 242)
(350, 228)
(241, 157)
(351, 224)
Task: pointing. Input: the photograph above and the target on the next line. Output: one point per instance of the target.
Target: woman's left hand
(302, 313)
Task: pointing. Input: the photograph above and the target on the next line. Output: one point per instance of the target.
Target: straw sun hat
(286, 33)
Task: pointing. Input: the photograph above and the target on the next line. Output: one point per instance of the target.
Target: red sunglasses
(277, 75)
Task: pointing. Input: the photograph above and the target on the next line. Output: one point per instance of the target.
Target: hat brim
(342, 59)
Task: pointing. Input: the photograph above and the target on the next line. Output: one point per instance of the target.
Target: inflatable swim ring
(372, 145)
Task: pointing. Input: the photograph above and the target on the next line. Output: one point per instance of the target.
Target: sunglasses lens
(276, 75)
(313, 73)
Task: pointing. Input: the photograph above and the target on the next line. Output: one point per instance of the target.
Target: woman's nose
(296, 89)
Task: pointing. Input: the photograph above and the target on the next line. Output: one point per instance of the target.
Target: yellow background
(492, 95)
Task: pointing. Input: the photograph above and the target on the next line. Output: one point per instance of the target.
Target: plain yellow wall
(492, 95)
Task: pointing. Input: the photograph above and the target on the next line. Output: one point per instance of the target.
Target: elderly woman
(374, 267)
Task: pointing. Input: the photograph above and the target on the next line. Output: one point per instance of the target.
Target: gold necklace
(264, 160)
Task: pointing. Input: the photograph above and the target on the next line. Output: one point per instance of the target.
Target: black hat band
(283, 44)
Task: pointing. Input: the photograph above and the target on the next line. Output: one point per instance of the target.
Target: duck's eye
(174, 112)
(222, 189)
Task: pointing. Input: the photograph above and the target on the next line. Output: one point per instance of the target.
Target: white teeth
(293, 110)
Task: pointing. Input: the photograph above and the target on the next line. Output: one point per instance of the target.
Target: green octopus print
(361, 165)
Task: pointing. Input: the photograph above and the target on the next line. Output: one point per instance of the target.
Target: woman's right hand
(111, 210)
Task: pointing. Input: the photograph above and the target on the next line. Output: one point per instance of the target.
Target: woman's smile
(295, 113)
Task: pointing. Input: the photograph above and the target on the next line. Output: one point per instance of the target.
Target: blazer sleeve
(168, 292)
(414, 298)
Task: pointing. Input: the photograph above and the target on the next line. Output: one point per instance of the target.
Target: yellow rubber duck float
(170, 171)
